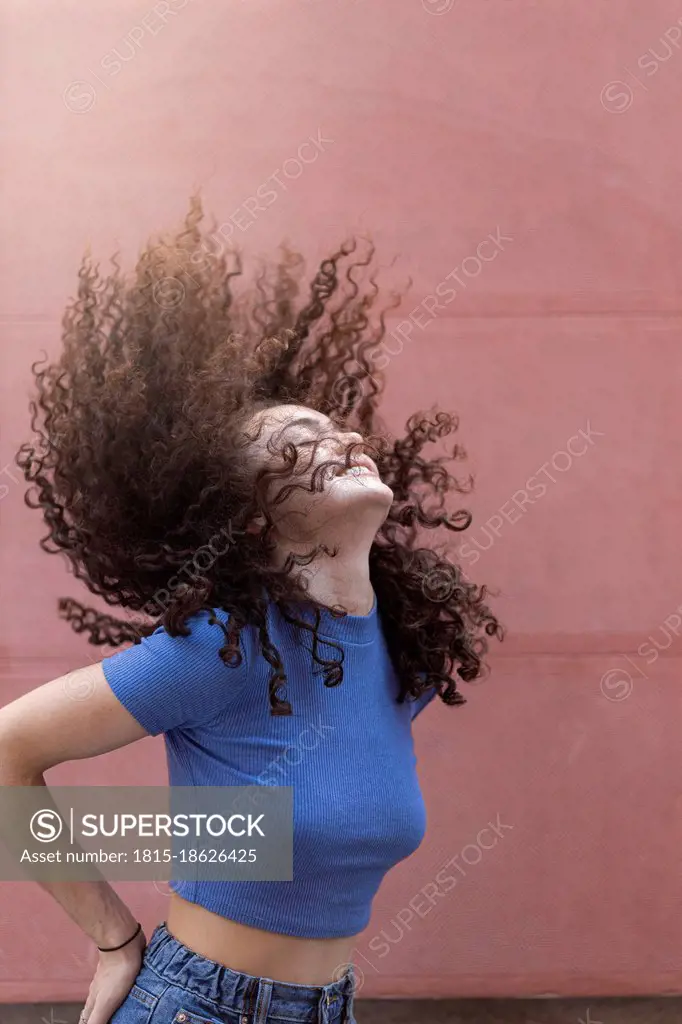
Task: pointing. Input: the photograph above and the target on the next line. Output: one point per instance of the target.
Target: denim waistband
(252, 997)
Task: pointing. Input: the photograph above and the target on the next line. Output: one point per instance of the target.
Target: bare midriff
(255, 951)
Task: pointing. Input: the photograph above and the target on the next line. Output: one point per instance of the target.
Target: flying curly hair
(140, 457)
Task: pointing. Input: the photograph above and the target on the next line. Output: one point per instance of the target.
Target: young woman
(183, 420)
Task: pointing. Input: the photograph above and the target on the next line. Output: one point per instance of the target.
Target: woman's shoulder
(206, 629)
(169, 680)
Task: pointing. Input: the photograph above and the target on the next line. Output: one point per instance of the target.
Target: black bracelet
(112, 949)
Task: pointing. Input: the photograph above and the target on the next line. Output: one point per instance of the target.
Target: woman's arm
(44, 728)
(154, 686)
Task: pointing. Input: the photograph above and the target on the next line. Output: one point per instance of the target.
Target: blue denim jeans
(177, 986)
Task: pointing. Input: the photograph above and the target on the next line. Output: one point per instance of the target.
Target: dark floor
(489, 1011)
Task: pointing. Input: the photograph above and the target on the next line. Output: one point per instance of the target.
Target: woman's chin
(356, 491)
(345, 503)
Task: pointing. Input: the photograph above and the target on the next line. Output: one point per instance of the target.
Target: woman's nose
(353, 437)
(342, 442)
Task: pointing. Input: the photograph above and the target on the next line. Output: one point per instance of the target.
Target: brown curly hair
(140, 464)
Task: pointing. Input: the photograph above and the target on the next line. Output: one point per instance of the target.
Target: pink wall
(444, 122)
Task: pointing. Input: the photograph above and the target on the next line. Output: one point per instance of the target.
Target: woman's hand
(113, 980)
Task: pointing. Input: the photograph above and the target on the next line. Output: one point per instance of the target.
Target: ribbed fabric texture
(347, 752)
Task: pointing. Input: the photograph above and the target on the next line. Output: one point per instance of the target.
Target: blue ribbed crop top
(358, 808)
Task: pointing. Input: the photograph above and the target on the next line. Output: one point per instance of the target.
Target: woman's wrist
(126, 942)
(130, 952)
(115, 923)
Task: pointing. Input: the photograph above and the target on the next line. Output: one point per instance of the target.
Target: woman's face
(318, 503)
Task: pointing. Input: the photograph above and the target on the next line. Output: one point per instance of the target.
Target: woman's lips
(363, 464)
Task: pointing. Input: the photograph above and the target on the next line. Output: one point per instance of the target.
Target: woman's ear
(256, 524)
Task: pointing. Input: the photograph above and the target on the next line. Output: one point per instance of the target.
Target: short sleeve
(420, 703)
(167, 682)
